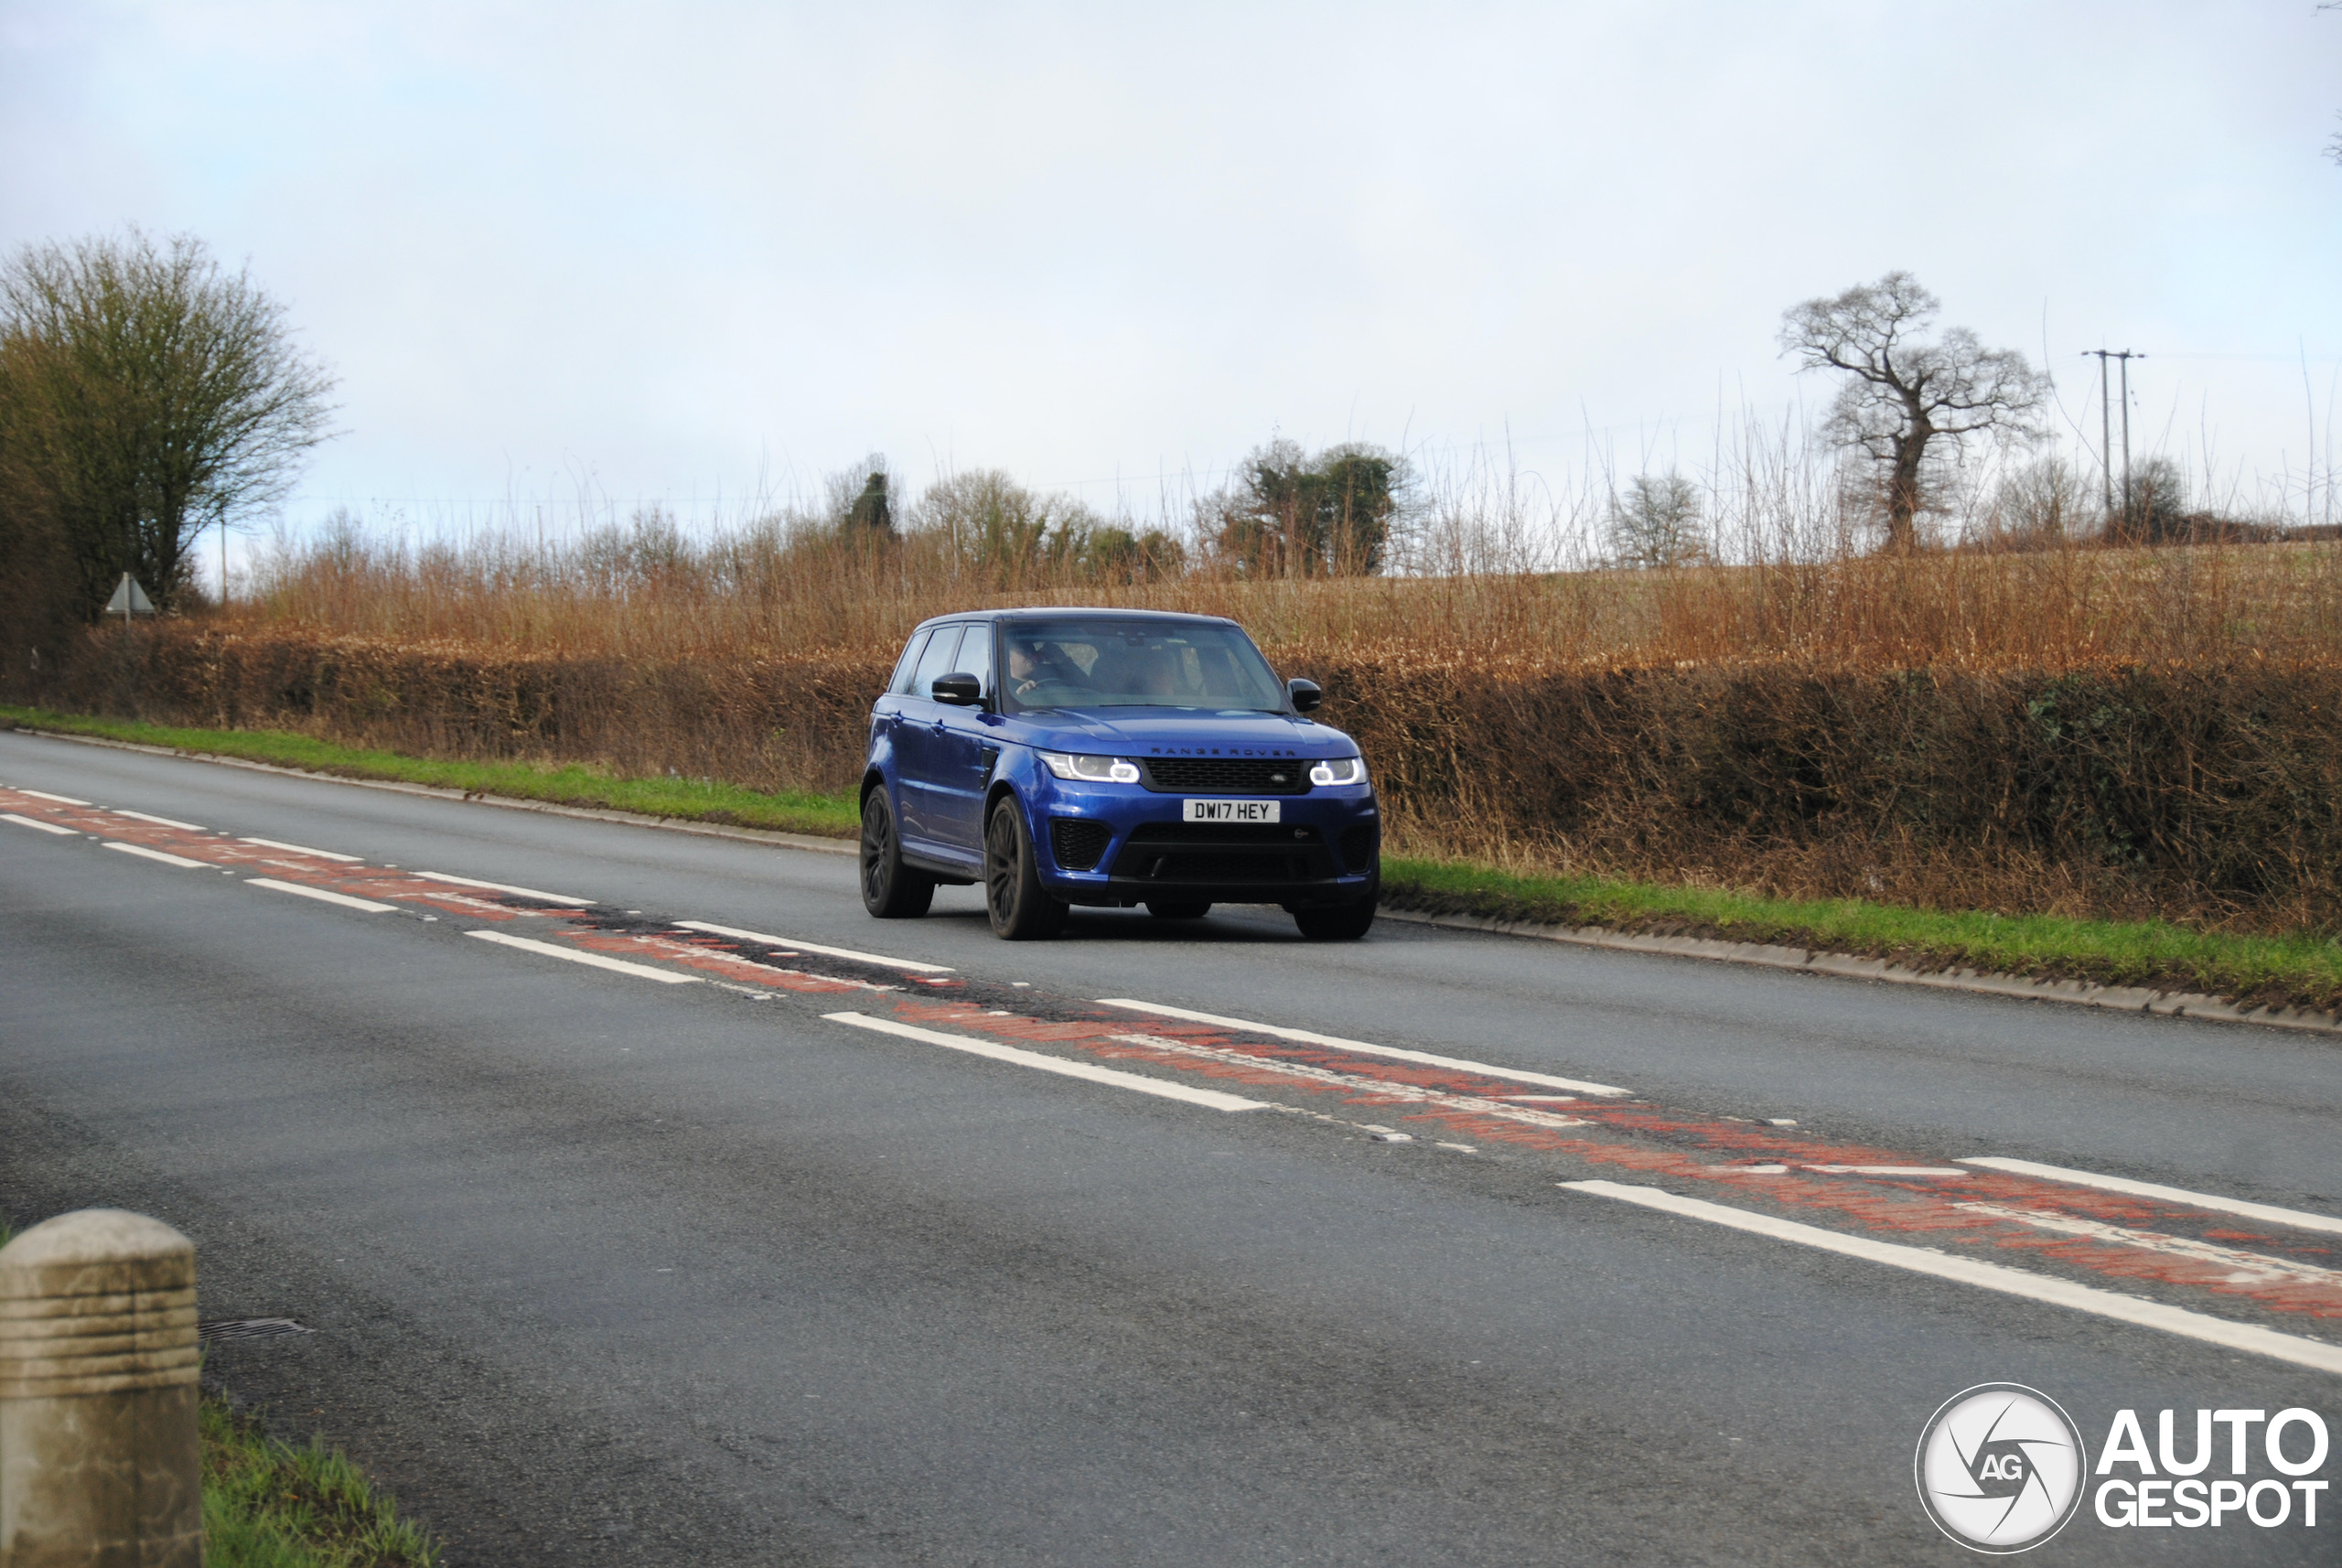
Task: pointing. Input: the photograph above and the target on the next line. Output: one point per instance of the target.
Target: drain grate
(248, 1328)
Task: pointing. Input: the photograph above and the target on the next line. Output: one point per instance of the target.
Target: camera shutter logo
(2001, 1468)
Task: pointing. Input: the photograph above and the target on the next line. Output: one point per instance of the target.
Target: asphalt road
(606, 1269)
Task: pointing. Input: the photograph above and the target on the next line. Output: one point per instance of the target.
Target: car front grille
(1256, 854)
(1077, 842)
(1237, 775)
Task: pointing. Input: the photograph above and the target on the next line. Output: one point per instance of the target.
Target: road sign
(129, 599)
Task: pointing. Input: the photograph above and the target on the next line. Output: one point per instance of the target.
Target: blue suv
(1111, 757)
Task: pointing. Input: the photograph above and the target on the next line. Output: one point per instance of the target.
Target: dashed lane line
(2245, 1268)
(304, 849)
(2135, 1310)
(793, 943)
(45, 795)
(575, 955)
(1309, 1037)
(1212, 1099)
(1888, 1170)
(2299, 1218)
(158, 821)
(37, 822)
(501, 888)
(322, 895)
(142, 852)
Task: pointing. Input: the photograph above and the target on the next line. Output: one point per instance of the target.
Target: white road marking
(1211, 1098)
(2250, 1268)
(715, 930)
(160, 821)
(45, 795)
(499, 887)
(1309, 1039)
(1541, 1099)
(1355, 1083)
(2131, 1309)
(142, 852)
(322, 896)
(2300, 1219)
(303, 849)
(578, 955)
(1890, 1170)
(37, 822)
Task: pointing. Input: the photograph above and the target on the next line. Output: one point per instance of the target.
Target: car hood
(1189, 732)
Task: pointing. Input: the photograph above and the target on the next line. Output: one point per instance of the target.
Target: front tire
(1020, 907)
(890, 890)
(1342, 923)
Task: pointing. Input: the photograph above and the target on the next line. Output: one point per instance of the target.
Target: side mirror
(959, 689)
(1306, 695)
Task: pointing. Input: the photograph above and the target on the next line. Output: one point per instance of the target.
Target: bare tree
(1656, 522)
(154, 395)
(1902, 396)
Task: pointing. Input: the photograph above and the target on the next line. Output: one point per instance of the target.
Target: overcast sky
(687, 250)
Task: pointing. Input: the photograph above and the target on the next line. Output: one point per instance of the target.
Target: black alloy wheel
(1177, 909)
(1020, 907)
(1343, 922)
(890, 890)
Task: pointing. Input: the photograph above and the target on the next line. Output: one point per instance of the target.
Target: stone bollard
(99, 1463)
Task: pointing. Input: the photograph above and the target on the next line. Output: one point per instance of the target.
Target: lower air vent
(1358, 848)
(1077, 843)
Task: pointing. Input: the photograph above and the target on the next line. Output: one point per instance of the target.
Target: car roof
(1091, 611)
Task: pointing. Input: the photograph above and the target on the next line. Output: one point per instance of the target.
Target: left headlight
(1067, 765)
(1340, 770)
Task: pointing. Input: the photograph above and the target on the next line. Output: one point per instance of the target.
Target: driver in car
(1030, 664)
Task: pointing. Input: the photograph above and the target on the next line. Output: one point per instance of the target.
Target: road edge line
(2194, 1004)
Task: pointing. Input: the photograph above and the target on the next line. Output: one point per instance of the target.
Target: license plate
(1228, 811)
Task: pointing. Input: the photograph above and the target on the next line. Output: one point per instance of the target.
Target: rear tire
(890, 890)
(1020, 907)
(1342, 923)
(1175, 909)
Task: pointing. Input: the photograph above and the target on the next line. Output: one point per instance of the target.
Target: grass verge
(573, 784)
(267, 1504)
(2281, 970)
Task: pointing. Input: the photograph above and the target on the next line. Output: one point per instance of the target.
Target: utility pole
(2105, 422)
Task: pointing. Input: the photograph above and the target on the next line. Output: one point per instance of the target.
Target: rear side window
(935, 660)
(908, 663)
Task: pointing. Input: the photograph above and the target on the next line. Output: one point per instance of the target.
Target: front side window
(975, 656)
(1109, 662)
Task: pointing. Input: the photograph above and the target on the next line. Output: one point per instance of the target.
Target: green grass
(2293, 970)
(2297, 970)
(690, 799)
(267, 1504)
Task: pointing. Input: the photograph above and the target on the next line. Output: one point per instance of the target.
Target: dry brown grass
(647, 594)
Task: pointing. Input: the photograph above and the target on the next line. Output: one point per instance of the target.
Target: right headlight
(1065, 764)
(1340, 770)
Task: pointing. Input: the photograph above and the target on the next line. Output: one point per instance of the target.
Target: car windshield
(1111, 662)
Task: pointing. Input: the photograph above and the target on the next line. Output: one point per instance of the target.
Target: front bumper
(1125, 845)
